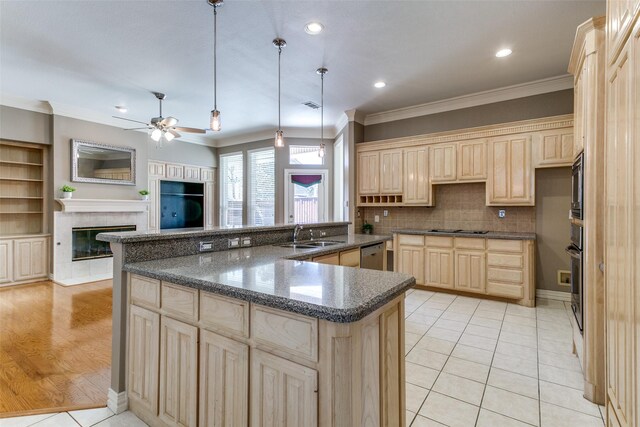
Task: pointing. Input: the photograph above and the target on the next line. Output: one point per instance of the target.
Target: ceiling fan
(162, 127)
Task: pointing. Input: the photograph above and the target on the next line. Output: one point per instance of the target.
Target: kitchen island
(255, 335)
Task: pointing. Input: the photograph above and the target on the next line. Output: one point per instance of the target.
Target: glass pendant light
(156, 134)
(322, 71)
(279, 141)
(214, 121)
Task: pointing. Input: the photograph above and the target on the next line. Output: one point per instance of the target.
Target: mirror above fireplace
(101, 163)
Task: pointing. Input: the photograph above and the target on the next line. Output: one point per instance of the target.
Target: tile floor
(470, 362)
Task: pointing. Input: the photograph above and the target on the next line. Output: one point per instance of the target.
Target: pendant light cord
(322, 109)
(215, 45)
(279, 56)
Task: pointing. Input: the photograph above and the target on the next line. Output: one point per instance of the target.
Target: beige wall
(553, 200)
(532, 107)
(25, 126)
(458, 207)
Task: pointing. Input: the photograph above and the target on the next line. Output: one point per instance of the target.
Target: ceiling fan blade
(137, 128)
(174, 133)
(130, 120)
(190, 130)
(169, 121)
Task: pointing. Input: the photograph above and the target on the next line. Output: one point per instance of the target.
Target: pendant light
(279, 141)
(322, 71)
(214, 121)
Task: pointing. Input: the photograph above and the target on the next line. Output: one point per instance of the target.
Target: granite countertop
(506, 235)
(145, 236)
(274, 276)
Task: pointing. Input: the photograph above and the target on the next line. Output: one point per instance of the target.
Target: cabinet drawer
(144, 291)
(350, 258)
(180, 301)
(407, 239)
(284, 331)
(505, 290)
(505, 260)
(505, 275)
(225, 314)
(470, 243)
(505, 245)
(331, 259)
(439, 242)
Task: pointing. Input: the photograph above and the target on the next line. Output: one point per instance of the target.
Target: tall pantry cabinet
(622, 213)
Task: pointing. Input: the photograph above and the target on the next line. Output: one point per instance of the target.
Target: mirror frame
(77, 143)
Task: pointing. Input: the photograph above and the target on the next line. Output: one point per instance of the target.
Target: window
(231, 187)
(306, 195)
(305, 155)
(262, 187)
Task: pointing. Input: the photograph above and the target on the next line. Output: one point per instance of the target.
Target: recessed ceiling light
(379, 85)
(313, 28)
(121, 108)
(503, 52)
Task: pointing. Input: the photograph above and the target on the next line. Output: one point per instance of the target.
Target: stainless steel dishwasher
(371, 257)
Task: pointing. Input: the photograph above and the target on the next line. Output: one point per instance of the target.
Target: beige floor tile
(564, 361)
(444, 334)
(458, 317)
(555, 416)
(450, 324)
(482, 331)
(492, 305)
(512, 405)
(489, 314)
(568, 398)
(562, 335)
(553, 324)
(409, 416)
(25, 421)
(420, 375)
(427, 358)
(515, 338)
(421, 421)
(89, 417)
(492, 419)
(459, 388)
(466, 369)
(549, 303)
(449, 411)
(520, 320)
(436, 344)
(415, 327)
(516, 350)
(126, 419)
(415, 396)
(529, 331)
(565, 347)
(515, 364)
(411, 339)
(486, 322)
(561, 376)
(472, 354)
(519, 310)
(478, 342)
(514, 382)
(422, 319)
(62, 419)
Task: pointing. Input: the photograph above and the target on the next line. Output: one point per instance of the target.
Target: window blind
(231, 187)
(262, 186)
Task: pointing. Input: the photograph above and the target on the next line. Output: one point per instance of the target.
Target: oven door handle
(573, 251)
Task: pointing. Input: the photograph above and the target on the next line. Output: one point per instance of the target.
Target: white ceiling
(92, 55)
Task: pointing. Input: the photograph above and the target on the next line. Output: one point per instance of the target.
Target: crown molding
(25, 104)
(585, 42)
(536, 87)
(312, 133)
(354, 115)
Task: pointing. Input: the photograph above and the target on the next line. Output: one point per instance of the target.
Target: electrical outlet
(234, 243)
(385, 213)
(358, 213)
(564, 278)
(376, 218)
(246, 241)
(205, 246)
(502, 213)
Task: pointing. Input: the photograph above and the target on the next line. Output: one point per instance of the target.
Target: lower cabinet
(283, 393)
(348, 258)
(6, 261)
(144, 343)
(470, 271)
(439, 267)
(24, 259)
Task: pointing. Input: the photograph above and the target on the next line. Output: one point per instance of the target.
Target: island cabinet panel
(416, 189)
(443, 162)
(391, 362)
(224, 314)
(369, 173)
(144, 292)
(472, 161)
(350, 258)
(411, 261)
(178, 373)
(470, 271)
(283, 393)
(224, 381)
(144, 346)
(180, 301)
(510, 180)
(439, 267)
(391, 172)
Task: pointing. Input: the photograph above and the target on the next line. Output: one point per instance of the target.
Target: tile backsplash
(457, 206)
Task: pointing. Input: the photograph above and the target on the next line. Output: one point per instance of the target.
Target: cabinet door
(442, 159)
(144, 344)
(417, 189)
(175, 171)
(30, 258)
(6, 261)
(207, 174)
(439, 267)
(470, 271)
(178, 373)
(153, 213)
(555, 149)
(619, 18)
(209, 200)
(369, 173)
(510, 177)
(224, 381)
(411, 261)
(331, 259)
(192, 173)
(283, 393)
(472, 161)
(391, 172)
(156, 170)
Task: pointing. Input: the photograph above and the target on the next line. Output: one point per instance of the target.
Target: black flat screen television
(181, 204)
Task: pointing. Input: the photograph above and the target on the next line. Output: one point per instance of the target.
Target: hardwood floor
(55, 347)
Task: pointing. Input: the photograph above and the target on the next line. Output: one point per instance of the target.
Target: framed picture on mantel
(102, 164)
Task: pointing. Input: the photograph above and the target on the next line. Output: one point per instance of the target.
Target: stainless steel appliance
(371, 257)
(577, 182)
(575, 251)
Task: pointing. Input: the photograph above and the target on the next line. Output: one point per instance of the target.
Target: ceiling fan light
(279, 143)
(168, 136)
(321, 151)
(214, 122)
(156, 134)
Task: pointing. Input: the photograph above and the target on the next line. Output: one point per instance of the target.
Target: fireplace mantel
(103, 205)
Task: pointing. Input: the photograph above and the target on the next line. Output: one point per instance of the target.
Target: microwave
(577, 184)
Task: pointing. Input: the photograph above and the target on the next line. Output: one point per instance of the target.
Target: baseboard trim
(117, 402)
(553, 295)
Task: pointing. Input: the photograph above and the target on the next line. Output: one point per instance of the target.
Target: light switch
(385, 213)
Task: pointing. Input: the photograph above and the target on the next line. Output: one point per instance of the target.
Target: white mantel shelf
(103, 205)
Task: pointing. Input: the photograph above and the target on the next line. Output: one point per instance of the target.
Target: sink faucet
(296, 231)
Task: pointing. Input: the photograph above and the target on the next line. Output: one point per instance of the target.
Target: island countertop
(275, 276)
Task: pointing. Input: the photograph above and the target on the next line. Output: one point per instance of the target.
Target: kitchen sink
(297, 246)
(322, 243)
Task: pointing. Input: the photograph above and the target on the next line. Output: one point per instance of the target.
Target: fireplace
(84, 243)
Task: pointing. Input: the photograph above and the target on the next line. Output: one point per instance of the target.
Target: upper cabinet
(391, 172)
(443, 162)
(472, 160)
(620, 15)
(417, 189)
(510, 180)
(369, 173)
(553, 149)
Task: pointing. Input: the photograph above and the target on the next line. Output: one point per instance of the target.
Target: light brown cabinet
(417, 188)
(439, 267)
(144, 342)
(554, 149)
(330, 259)
(510, 175)
(6, 261)
(442, 162)
(472, 161)
(391, 172)
(470, 271)
(409, 256)
(369, 173)
(30, 258)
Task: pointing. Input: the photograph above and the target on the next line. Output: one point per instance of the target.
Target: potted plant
(67, 191)
(367, 228)
(144, 194)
